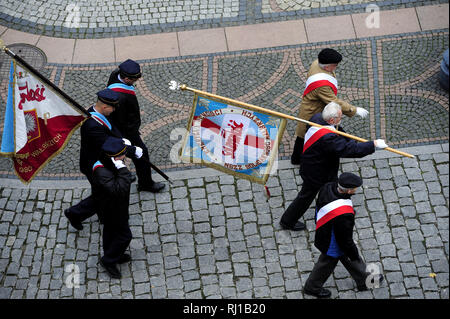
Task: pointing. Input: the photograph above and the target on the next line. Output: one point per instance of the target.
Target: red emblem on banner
(32, 125)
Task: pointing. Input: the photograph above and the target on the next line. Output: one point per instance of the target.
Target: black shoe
(153, 188)
(73, 220)
(364, 287)
(323, 293)
(112, 270)
(124, 259)
(298, 226)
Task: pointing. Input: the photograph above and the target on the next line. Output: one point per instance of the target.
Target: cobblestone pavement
(212, 236)
(102, 19)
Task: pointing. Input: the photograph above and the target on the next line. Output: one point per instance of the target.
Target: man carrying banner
(94, 132)
(320, 161)
(335, 220)
(128, 120)
(321, 89)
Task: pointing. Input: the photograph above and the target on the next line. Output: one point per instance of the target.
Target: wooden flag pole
(261, 109)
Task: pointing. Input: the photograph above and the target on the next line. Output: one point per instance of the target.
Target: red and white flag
(38, 122)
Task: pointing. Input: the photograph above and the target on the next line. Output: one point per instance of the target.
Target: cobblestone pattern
(218, 237)
(406, 110)
(103, 19)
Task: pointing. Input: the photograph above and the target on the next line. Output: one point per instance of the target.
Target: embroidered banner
(232, 138)
(38, 122)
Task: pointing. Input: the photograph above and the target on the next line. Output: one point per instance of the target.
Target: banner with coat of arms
(231, 138)
(38, 122)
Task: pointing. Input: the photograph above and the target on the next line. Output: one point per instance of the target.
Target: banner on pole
(39, 122)
(232, 138)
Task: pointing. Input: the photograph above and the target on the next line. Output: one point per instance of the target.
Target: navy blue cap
(109, 97)
(349, 180)
(114, 146)
(329, 56)
(130, 69)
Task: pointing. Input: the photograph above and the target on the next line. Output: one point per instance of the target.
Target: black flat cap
(349, 180)
(329, 56)
(114, 146)
(130, 69)
(109, 97)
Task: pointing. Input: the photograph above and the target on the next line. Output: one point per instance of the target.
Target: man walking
(320, 161)
(128, 120)
(94, 132)
(112, 182)
(321, 89)
(335, 220)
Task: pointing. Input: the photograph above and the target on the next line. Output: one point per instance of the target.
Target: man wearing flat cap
(321, 89)
(128, 120)
(94, 132)
(335, 220)
(112, 181)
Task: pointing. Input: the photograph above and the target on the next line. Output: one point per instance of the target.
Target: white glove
(118, 163)
(361, 112)
(138, 152)
(380, 144)
(127, 142)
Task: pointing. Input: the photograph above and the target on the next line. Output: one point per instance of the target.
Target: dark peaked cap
(349, 180)
(109, 97)
(130, 69)
(114, 146)
(329, 56)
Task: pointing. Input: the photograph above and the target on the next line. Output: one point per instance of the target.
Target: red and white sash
(320, 79)
(332, 210)
(315, 133)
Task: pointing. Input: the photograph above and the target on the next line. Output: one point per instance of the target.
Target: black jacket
(93, 135)
(112, 190)
(320, 162)
(127, 116)
(342, 225)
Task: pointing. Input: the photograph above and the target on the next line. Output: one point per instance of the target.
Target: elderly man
(335, 220)
(321, 89)
(320, 161)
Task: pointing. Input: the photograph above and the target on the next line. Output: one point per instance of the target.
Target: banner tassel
(267, 192)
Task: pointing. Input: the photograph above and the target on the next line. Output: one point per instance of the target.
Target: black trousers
(116, 236)
(143, 168)
(87, 207)
(325, 266)
(301, 203)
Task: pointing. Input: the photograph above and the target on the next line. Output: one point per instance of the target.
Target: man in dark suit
(94, 132)
(112, 181)
(335, 220)
(322, 151)
(128, 120)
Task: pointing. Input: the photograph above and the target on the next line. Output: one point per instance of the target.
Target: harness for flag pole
(258, 108)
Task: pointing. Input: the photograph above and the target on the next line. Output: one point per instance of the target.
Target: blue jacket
(320, 162)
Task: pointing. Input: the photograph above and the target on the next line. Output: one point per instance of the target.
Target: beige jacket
(315, 101)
